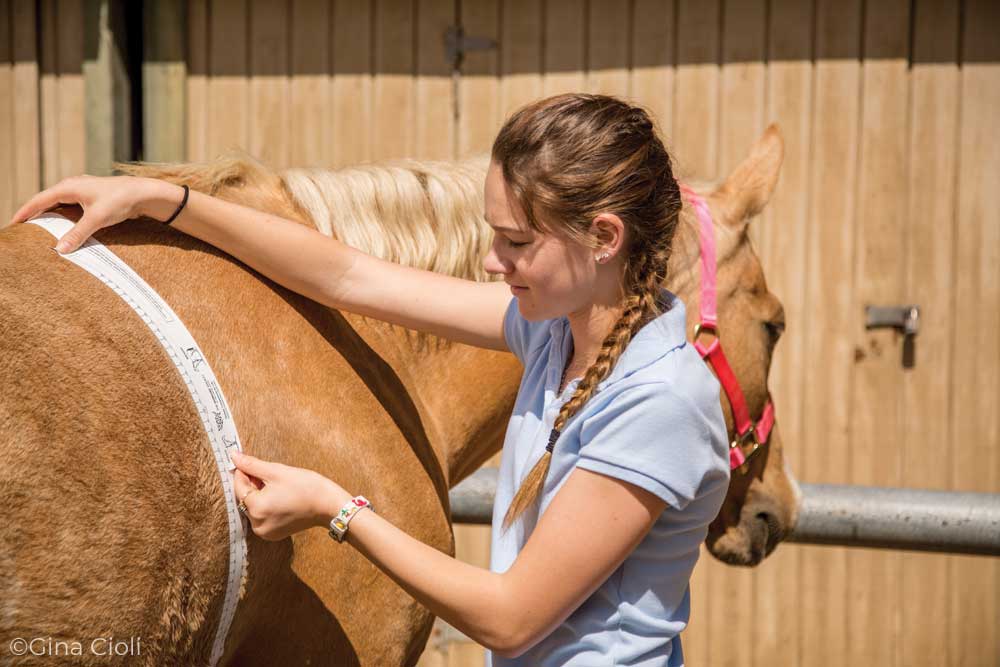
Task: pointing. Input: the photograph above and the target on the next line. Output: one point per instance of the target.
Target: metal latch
(905, 319)
(456, 43)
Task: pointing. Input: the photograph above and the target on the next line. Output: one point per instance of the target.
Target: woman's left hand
(282, 500)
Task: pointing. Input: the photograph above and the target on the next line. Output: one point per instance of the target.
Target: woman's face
(550, 275)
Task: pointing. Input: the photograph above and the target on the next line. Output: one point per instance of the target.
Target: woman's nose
(493, 264)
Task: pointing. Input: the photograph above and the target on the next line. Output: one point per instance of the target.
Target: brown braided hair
(567, 159)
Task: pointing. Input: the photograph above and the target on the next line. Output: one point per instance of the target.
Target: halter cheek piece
(748, 434)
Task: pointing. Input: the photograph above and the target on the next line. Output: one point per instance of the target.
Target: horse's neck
(464, 394)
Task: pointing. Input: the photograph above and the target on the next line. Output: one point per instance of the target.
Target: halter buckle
(741, 442)
(704, 326)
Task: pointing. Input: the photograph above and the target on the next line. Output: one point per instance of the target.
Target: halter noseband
(746, 430)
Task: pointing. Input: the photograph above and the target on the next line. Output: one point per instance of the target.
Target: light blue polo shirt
(656, 421)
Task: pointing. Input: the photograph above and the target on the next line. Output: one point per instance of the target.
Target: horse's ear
(748, 188)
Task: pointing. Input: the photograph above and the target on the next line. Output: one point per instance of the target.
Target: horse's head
(761, 506)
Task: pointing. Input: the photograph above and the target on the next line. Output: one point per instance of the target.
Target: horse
(116, 520)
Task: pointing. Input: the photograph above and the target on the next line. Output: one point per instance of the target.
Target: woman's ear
(609, 230)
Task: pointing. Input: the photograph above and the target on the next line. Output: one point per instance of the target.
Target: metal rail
(851, 516)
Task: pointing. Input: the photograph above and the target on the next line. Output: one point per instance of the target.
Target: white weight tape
(95, 258)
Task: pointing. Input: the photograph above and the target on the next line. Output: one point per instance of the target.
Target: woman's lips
(518, 290)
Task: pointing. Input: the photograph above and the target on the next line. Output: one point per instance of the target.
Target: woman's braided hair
(567, 159)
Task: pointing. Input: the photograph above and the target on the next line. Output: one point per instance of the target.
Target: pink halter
(746, 430)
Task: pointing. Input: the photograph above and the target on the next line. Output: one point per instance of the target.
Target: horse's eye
(775, 329)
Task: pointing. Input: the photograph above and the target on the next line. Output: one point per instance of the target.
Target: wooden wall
(890, 194)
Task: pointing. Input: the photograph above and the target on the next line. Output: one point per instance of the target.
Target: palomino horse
(115, 520)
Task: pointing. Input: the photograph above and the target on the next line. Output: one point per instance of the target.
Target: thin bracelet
(184, 201)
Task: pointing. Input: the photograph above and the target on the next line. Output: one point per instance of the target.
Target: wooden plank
(652, 73)
(271, 131)
(311, 132)
(395, 96)
(741, 103)
(873, 582)
(930, 240)
(352, 82)
(62, 92)
(695, 140)
(974, 608)
(8, 156)
(436, 105)
(783, 247)
(472, 545)
(107, 87)
(70, 116)
(520, 55)
(835, 319)
(164, 81)
(479, 116)
(196, 144)
(26, 112)
(608, 46)
(565, 51)
(48, 92)
(696, 98)
(228, 87)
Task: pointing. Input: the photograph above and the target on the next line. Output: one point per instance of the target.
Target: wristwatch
(339, 523)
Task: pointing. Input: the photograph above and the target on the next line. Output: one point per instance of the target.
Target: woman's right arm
(337, 275)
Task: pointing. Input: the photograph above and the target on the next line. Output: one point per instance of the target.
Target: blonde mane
(422, 213)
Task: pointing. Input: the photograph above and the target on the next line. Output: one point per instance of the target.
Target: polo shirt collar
(655, 339)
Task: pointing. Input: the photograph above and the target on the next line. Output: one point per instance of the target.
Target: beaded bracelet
(339, 523)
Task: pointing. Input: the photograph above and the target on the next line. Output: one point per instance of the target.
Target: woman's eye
(515, 244)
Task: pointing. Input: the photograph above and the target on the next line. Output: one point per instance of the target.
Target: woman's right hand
(105, 200)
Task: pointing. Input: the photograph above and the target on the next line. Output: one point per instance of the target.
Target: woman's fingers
(63, 192)
(81, 231)
(253, 466)
(242, 484)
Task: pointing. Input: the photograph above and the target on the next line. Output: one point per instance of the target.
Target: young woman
(615, 458)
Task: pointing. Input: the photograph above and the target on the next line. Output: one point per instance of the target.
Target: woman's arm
(337, 275)
(592, 524)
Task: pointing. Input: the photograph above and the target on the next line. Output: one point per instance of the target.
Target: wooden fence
(890, 194)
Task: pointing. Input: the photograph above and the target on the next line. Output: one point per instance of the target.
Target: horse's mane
(422, 213)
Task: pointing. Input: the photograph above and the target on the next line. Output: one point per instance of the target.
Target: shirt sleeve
(653, 436)
(521, 335)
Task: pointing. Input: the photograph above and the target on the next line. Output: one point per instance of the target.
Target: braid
(636, 310)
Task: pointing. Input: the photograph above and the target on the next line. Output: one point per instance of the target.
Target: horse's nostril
(775, 533)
